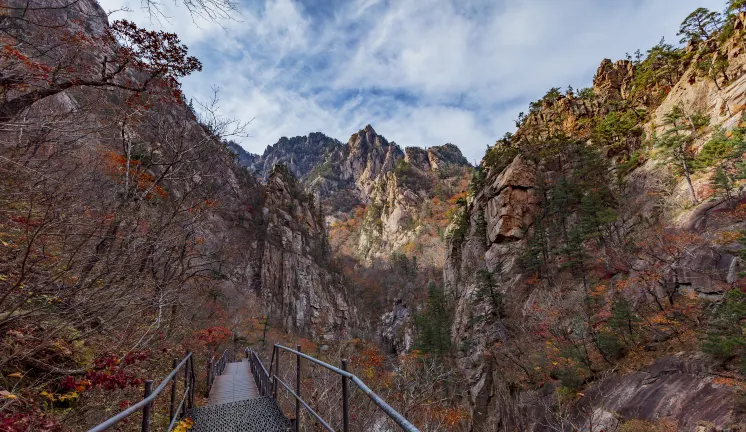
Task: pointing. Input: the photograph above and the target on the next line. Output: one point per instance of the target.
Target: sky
(421, 72)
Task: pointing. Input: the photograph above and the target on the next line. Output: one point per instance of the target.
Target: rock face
(297, 288)
(244, 158)
(497, 218)
(301, 154)
(613, 80)
(395, 185)
(493, 229)
(672, 387)
(511, 202)
(396, 335)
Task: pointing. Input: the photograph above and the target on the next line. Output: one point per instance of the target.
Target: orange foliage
(409, 248)
(121, 169)
(448, 416)
(452, 200)
(730, 382)
(213, 335)
(728, 237)
(306, 345)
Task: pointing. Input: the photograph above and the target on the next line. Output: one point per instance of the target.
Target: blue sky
(422, 72)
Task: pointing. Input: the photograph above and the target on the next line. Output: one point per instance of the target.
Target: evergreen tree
(722, 182)
(624, 321)
(487, 290)
(676, 143)
(534, 258)
(434, 323)
(574, 252)
(699, 25)
(713, 65)
(726, 333)
(735, 6)
(661, 67)
(597, 212)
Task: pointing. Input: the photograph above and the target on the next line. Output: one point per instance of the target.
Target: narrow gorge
(586, 275)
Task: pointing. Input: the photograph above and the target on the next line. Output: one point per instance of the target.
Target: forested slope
(129, 234)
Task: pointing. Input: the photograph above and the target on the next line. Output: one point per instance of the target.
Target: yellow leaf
(7, 395)
(16, 375)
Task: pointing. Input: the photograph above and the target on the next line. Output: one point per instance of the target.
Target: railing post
(297, 391)
(146, 408)
(209, 377)
(345, 400)
(186, 380)
(192, 380)
(277, 370)
(173, 394)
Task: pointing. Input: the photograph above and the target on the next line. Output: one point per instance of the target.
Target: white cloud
(422, 72)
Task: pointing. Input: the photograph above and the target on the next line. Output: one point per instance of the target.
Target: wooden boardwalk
(235, 384)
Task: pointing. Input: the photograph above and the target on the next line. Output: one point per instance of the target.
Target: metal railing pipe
(345, 400)
(310, 410)
(386, 408)
(297, 390)
(143, 403)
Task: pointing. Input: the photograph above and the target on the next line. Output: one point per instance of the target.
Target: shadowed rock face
(297, 288)
(673, 387)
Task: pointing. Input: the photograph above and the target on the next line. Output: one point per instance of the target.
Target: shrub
(725, 332)
(499, 157)
(636, 425)
(586, 93)
(719, 147)
(635, 160)
(460, 222)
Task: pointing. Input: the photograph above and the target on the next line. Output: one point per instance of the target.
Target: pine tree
(676, 143)
(487, 290)
(735, 6)
(597, 213)
(699, 25)
(623, 319)
(434, 323)
(725, 337)
(722, 182)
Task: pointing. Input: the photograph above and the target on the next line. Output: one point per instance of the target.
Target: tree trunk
(689, 180)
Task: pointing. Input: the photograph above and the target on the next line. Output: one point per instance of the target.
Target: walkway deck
(234, 405)
(235, 384)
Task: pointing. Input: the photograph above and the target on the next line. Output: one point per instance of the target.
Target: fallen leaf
(7, 395)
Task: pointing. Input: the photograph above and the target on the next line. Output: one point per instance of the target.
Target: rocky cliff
(393, 186)
(583, 273)
(298, 289)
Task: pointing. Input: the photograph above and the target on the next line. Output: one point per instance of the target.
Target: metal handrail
(150, 395)
(261, 376)
(386, 408)
(306, 406)
(217, 369)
